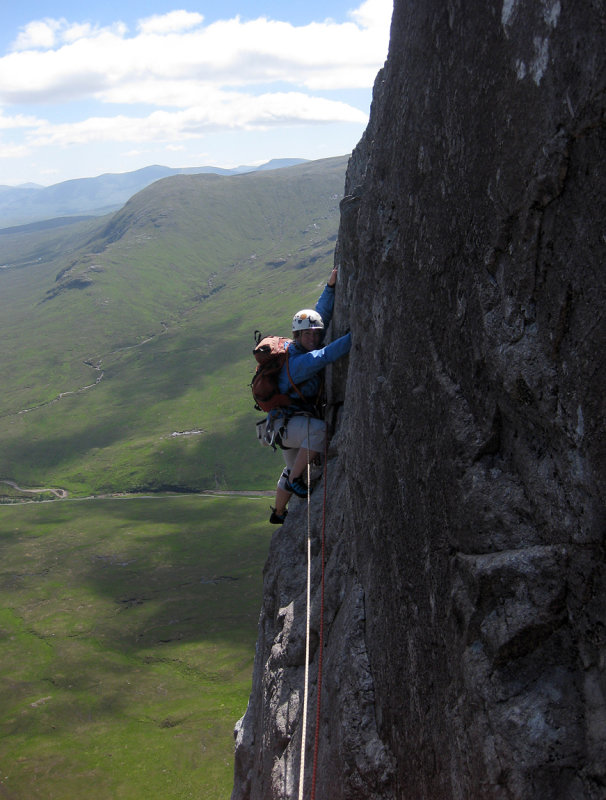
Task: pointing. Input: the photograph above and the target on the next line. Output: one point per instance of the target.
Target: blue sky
(114, 86)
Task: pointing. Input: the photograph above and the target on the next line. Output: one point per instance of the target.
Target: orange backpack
(270, 352)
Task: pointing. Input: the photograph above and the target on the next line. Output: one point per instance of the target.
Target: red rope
(321, 644)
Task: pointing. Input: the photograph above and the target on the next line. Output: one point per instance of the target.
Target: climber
(299, 429)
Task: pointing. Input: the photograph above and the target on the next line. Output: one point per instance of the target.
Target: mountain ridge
(100, 194)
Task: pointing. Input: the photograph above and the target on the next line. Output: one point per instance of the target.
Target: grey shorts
(301, 431)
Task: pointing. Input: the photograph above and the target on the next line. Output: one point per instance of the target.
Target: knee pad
(283, 479)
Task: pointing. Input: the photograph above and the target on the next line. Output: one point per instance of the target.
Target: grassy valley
(127, 630)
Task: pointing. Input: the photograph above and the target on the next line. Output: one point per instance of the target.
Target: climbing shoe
(297, 487)
(277, 519)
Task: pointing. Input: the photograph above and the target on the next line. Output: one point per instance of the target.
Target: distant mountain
(4, 187)
(20, 205)
(275, 163)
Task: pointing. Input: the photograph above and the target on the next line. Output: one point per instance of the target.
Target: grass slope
(127, 342)
(127, 630)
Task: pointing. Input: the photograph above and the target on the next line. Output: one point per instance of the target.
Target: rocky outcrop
(465, 584)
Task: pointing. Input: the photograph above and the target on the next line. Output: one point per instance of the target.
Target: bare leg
(282, 498)
(304, 456)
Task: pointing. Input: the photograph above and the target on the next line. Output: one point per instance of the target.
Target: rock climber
(299, 430)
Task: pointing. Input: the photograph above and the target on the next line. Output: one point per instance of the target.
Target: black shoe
(277, 519)
(297, 486)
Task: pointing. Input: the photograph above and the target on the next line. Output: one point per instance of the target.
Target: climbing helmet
(305, 319)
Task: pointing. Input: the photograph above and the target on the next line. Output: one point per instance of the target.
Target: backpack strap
(292, 383)
(313, 405)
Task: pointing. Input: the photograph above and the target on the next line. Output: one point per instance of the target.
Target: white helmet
(307, 318)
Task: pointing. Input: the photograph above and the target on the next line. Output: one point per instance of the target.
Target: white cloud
(13, 151)
(53, 61)
(18, 121)
(228, 111)
(48, 34)
(38, 34)
(173, 22)
(373, 14)
(72, 33)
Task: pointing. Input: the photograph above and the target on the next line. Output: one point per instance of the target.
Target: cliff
(465, 582)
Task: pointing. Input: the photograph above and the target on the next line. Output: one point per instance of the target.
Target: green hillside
(127, 340)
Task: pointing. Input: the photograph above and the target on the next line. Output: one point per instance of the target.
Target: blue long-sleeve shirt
(305, 366)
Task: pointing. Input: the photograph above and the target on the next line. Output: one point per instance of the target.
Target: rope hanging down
(321, 642)
(307, 631)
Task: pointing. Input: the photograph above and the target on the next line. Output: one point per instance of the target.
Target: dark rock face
(465, 603)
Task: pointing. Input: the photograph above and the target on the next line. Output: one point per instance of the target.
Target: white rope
(307, 631)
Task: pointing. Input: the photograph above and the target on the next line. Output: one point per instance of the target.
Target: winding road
(60, 493)
(63, 494)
